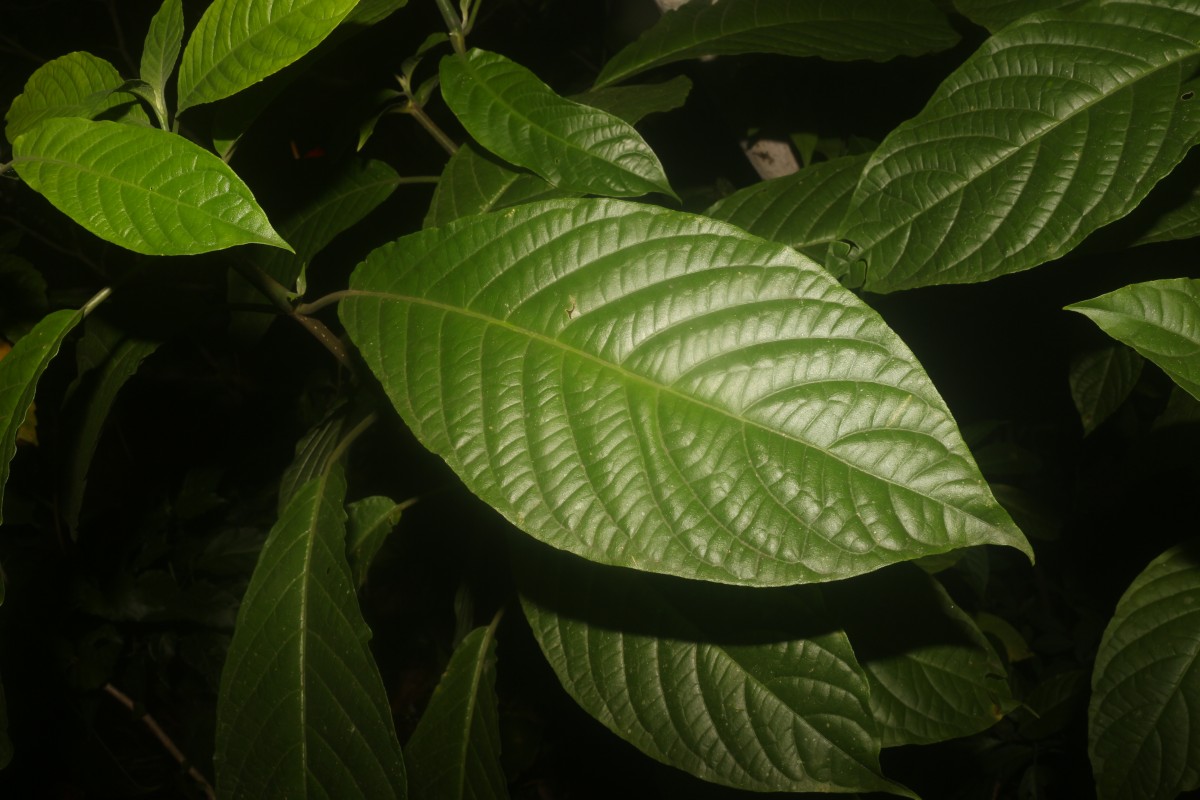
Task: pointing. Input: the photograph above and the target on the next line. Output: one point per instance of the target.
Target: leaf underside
(995, 14)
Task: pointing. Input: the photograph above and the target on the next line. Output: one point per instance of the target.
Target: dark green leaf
(372, 519)
(802, 210)
(237, 43)
(656, 390)
(311, 458)
(995, 14)
(302, 710)
(74, 85)
(1054, 702)
(632, 103)
(838, 30)
(1057, 125)
(747, 688)
(369, 12)
(454, 754)
(575, 147)
(144, 189)
(160, 52)
(1143, 733)
(1100, 382)
(1160, 320)
(474, 182)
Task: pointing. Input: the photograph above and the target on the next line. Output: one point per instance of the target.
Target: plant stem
(454, 24)
(162, 737)
(330, 299)
(279, 296)
(96, 300)
(428, 124)
(348, 439)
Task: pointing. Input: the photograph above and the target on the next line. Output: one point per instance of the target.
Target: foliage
(681, 479)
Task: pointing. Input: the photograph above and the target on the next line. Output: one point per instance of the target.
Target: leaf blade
(1100, 381)
(475, 183)
(160, 52)
(75, 85)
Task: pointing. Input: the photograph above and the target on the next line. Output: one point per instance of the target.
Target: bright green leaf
(932, 673)
(74, 85)
(656, 390)
(19, 373)
(746, 688)
(1100, 381)
(161, 51)
(995, 14)
(802, 210)
(474, 182)
(1057, 125)
(575, 147)
(454, 754)
(1160, 320)
(632, 103)
(237, 43)
(838, 30)
(302, 710)
(1143, 733)
(144, 189)
(372, 519)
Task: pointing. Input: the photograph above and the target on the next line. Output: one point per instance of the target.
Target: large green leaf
(995, 14)
(302, 710)
(632, 103)
(19, 373)
(74, 85)
(575, 147)
(1160, 320)
(454, 754)
(932, 673)
(144, 189)
(371, 520)
(747, 688)
(237, 43)
(1101, 380)
(802, 210)
(661, 391)
(160, 52)
(838, 30)
(1143, 726)
(474, 182)
(1060, 123)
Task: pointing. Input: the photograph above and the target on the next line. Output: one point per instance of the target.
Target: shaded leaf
(656, 390)
(1100, 382)
(995, 14)
(475, 182)
(302, 710)
(372, 519)
(19, 373)
(632, 103)
(1059, 124)
(1054, 702)
(1143, 738)
(74, 85)
(802, 210)
(575, 147)
(454, 753)
(160, 52)
(22, 296)
(144, 189)
(746, 688)
(311, 458)
(369, 12)
(237, 43)
(1160, 320)
(838, 30)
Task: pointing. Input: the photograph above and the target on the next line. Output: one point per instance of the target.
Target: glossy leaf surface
(656, 390)
(747, 688)
(144, 189)
(237, 43)
(1143, 733)
(161, 51)
(802, 210)
(74, 85)
(995, 14)
(454, 754)
(372, 519)
(633, 103)
(1100, 382)
(474, 183)
(302, 710)
(575, 147)
(1059, 124)
(838, 30)
(1160, 320)
(19, 373)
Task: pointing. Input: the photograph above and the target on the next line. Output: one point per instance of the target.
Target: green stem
(279, 296)
(428, 124)
(327, 300)
(450, 16)
(348, 439)
(96, 300)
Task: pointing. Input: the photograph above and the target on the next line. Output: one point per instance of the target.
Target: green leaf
(746, 688)
(122, 355)
(302, 710)
(372, 519)
(577, 148)
(454, 753)
(802, 210)
(1059, 124)
(370, 12)
(1160, 320)
(838, 30)
(160, 52)
(311, 458)
(656, 390)
(932, 673)
(632, 103)
(1100, 382)
(237, 43)
(74, 85)
(995, 14)
(1143, 735)
(474, 182)
(144, 189)
(19, 373)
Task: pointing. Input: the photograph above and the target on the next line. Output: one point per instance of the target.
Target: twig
(164, 739)
(330, 299)
(428, 124)
(281, 298)
(347, 440)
